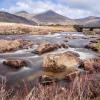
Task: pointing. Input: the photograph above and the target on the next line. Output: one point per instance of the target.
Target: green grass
(97, 46)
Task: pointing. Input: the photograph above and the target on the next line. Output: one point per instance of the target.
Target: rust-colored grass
(84, 88)
(14, 28)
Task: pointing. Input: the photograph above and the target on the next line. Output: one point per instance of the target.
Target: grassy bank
(84, 88)
(13, 28)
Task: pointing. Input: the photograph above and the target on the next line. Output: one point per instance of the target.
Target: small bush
(97, 46)
(89, 32)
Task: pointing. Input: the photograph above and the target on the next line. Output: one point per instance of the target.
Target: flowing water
(34, 68)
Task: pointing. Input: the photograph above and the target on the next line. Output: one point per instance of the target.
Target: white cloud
(70, 8)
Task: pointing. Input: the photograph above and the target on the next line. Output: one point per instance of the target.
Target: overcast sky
(69, 8)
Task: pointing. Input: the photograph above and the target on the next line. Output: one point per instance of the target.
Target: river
(34, 68)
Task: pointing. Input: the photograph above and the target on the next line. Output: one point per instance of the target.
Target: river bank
(14, 28)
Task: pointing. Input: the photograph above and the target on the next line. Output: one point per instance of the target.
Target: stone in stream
(61, 62)
(15, 63)
(93, 41)
(71, 37)
(47, 47)
(47, 80)
(12, 45)
(91, 65)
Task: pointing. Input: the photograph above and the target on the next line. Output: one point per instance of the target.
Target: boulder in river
(47, 47)
(61, 62)
(15, 63)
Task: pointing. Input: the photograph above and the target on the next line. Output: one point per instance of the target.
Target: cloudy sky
(69, 8)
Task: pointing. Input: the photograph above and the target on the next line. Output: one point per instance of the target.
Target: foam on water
(59, 37)
(52, 35)
(35, 56)
(1, 60)
(83, 55)
(78, 35)
(23, 51)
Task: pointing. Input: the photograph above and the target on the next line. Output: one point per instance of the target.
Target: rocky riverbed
(43, 58)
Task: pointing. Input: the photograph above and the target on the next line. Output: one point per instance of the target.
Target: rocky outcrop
(11, 45)
(94, 45)
(15, 63)
(47, 47)
(61, 62)
(92, 65)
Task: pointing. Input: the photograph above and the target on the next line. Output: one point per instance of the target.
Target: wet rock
(72, 76)
(84, 37)
(64, 45)
(93, 41)
(47, 47)
(15, 63)
(61, 62)
(92, 65)
(12, 45)
(46, 80)
(71, 37)
(65, 40)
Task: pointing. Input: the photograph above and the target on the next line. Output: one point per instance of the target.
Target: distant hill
(51, 17)
(91, 20)
(7, 17)
(46, 18)
(24, 14)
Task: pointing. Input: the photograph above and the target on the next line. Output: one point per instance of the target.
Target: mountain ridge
(7, 17)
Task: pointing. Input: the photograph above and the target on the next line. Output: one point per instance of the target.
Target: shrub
(97, 46)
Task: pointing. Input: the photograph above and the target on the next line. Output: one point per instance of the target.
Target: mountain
(88, 20)
(46, 18)
(24, 14)
(51, 17)
(7, 17)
